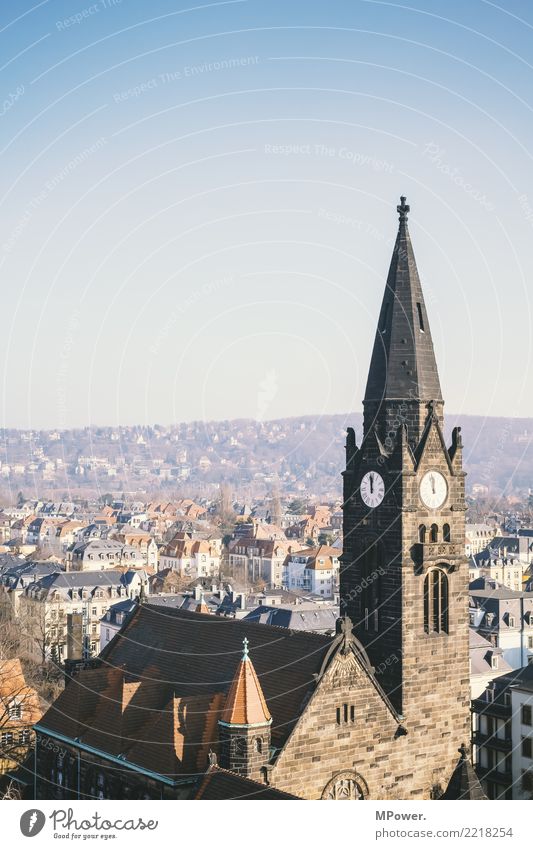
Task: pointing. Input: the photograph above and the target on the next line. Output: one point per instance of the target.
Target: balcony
(491, 741)
(492, 774)
(482, 706)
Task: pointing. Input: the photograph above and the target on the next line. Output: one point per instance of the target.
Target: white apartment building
(314, 570)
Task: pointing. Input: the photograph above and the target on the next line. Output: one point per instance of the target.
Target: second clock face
(372, 489)
(433, 490)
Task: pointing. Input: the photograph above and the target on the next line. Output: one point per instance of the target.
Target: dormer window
(494, 661)
(14, 709)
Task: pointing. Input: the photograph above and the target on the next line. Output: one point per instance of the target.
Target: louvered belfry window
(436, 602)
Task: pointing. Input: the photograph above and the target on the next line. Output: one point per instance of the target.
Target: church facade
(187, 705)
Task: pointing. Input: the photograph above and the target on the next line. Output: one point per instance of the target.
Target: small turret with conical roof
(244, 726)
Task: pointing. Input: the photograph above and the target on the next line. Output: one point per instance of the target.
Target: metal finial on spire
(245, 651)
(403, 208)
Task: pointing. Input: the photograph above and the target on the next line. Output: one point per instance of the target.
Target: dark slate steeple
(403, 365)
(464, 783)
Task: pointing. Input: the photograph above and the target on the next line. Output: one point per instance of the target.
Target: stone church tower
(404, 579)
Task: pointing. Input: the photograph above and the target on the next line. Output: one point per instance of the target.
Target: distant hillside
(305, 454)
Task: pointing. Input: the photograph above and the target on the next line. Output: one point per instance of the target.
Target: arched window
(434, 533)
(422, 533)
(436, 602)
(258, 745)
(446, 533)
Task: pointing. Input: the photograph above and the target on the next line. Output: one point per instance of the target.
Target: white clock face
(372, 489)
(433, 490)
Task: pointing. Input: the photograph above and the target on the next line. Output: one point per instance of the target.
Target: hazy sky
(198, 203)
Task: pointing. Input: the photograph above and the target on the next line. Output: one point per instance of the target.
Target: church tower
(404, 578)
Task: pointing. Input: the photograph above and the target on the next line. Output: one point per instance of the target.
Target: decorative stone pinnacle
(245, 650)
(463, 751)
(403, 209)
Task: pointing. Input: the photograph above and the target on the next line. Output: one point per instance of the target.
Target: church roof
(168, 663)
(464, 783)
(403, 364)
(245, 704)
(223, 784)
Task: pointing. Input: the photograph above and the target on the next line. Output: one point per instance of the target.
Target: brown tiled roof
(222, 784)
(202, 607)
(13, 686)
(168, 660)
(245, 704)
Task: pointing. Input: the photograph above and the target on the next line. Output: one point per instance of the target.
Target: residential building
(486, 663)
(144, 542)
(19, 711)
(505, 618)
(307, 616)
(314, 570)
(478, 537)
(114, 618)
(195, 558)
(259, 559)
(16, 577)
(503, 736)
(103, 554)
(508, 571)
(46, 604)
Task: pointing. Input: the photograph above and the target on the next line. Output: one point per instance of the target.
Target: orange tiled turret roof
(245, 704)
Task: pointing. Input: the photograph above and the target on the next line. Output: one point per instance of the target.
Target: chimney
(198, 592)
(74, 636)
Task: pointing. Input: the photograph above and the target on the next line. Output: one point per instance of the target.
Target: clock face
(433, 489)
(372, 489)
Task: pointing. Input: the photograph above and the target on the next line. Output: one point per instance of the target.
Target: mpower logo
(32, 822)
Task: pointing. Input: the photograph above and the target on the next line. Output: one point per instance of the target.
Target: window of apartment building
(6, 739)
(530, 642)
(526, 714)
(527, 781)
(14, 710)
(24, 735)
(527, 749)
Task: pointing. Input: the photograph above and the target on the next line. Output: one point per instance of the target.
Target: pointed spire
(245, 704)
(403, 365)
(202, 607)
(464, 783)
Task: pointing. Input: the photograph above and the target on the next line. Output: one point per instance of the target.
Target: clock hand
(432, 480)
(371, 479)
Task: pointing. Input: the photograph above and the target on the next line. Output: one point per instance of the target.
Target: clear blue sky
(198, 203)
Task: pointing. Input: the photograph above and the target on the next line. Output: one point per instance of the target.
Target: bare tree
(224, 509)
